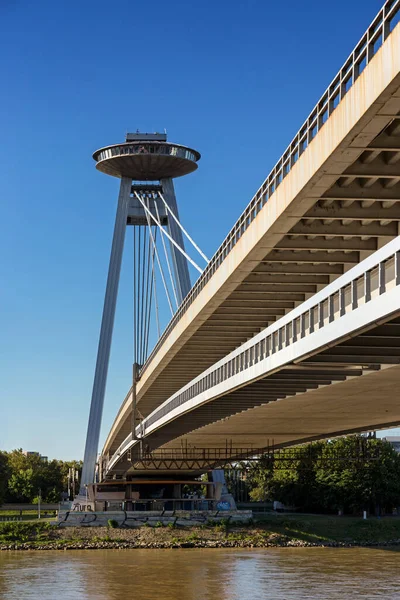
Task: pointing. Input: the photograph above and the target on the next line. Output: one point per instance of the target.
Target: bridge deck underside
(347, 208)
(345, 407)
(353, 366)
(350, 387)
(350, 221)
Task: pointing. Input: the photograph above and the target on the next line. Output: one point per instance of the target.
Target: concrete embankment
(175, 518)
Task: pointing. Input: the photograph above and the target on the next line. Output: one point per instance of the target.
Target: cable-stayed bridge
(292, 331)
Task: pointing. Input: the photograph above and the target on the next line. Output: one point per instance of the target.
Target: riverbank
(268, 531)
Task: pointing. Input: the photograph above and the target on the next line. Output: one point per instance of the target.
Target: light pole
(39, 499)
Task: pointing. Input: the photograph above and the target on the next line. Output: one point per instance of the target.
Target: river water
(278, 573)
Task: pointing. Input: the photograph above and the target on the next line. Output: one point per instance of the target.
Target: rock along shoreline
(256, 541)
(204, 544)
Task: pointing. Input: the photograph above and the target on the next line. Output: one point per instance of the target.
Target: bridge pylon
(146, 164)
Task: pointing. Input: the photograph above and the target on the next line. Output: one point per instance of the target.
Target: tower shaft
(179, 262)
(106, 331)
(129, 212)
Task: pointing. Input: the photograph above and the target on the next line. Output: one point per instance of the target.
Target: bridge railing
(379, 30)
(373, 277)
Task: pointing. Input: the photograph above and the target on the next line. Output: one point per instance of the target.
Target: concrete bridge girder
(367, 348)
(351, 159)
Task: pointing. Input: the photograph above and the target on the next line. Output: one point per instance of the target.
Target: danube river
(281, 573)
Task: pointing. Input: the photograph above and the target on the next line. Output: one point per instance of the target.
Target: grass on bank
(20, 532)
(307, 528)
(25, 515)
(315, 528)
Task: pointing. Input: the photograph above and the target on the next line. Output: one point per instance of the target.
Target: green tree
(23, 482)
(4, 476)
(290, 478)
(260, 476)
(29, 474)
(22, 485)
(350, 474)
(356, 474)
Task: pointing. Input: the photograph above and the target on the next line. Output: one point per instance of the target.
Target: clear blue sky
(233, 79)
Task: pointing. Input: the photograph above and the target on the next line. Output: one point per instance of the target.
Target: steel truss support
(207, 459)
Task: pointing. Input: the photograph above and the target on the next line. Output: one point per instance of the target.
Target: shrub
(112, 523)
(223, 524)
(175, 540)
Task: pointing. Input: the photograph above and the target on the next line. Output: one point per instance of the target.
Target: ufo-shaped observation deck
(146, 159)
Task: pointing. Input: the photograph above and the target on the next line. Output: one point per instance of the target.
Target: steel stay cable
(139, 288)
(167, 259)
(159, 265)
(145, 248)
(142, 298)
(148, 300)
(156, 298)
(137, 259)
(134, 295)
(139, 294)
(144, 295)
(147, 328)
(168, 236)
(169, 209)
